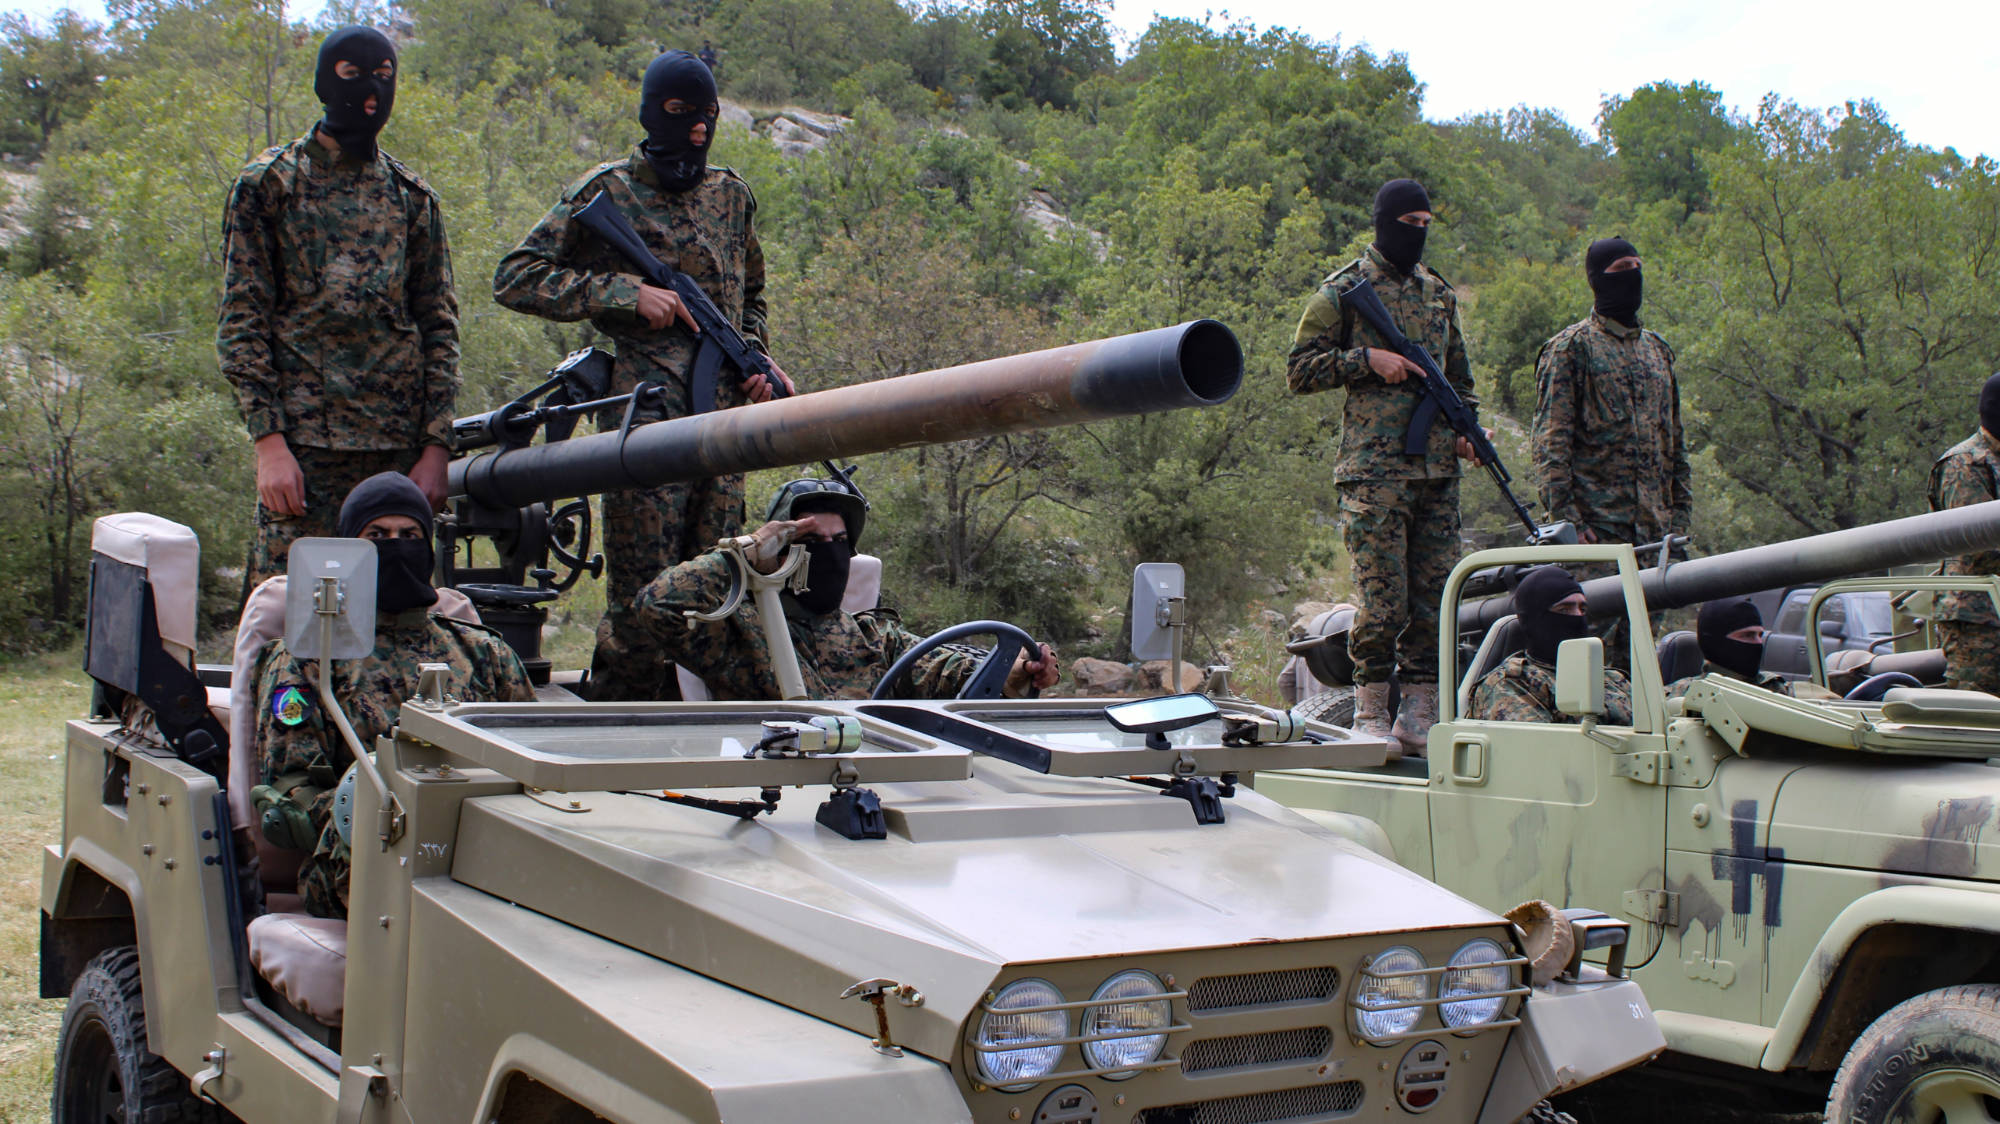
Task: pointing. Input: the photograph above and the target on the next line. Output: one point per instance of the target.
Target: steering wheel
(1874, 687)
(987, 679)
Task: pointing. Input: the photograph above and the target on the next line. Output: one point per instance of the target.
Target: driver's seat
(864, 592)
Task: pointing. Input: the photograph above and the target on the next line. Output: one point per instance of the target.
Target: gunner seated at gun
(841, 654)
(1549, 606)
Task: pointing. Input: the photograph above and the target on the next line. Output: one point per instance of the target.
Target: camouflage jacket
(563, 271)
(1968, 473)
(1796, 688)
(1328, 351)
(295, 738)
(1608, 446)
(339, 325)
(841, 655)
(1524, 690)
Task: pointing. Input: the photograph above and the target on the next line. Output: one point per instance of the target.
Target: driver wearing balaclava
(356, 107)
(1548, 609)
(840, 654)
(677, 143)
(1731, 632)
(403, 559)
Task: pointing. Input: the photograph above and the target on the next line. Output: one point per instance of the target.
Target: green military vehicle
(865, 910)
(1815, 907)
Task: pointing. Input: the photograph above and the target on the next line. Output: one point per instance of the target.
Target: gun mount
(1878, 546)
(513, 495)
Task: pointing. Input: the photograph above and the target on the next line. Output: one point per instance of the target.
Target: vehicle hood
(1006, 868)
(1904, 816)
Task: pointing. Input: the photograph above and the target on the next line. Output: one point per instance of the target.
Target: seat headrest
(1680, 656)
(171, 557)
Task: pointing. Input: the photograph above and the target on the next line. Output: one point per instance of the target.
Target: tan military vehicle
(1815, 904)
(866, 910)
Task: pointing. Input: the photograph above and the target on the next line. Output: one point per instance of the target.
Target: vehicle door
(1550, 811)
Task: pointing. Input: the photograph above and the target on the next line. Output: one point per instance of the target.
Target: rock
(1045, 214)
(823, 124)
(737, 115)
(1303, 613)
(1092, 678)
(1272, 620)
(1156, 675)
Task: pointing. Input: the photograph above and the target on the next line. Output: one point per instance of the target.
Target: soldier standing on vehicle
(301, 749)
(338, 326)
(1549, 606)
(699, 220)
(1399, 514)
(840, 654)
(1609, 450)
(1969, 473)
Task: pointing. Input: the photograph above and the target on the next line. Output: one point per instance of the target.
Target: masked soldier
(1731, 633)
(1399, 514)
(698, 220)
(1549, 605)
(338, 327)
(301, 748)
(1969, 473)
(840, 654)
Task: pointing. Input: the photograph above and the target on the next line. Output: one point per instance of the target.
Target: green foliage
(1665, 134)
(1040, 50)
(48, 77)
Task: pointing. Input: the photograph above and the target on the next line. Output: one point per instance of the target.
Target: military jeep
(869, 910)
(1815, 906)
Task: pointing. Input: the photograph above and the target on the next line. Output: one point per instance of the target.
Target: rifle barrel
(1198, 363)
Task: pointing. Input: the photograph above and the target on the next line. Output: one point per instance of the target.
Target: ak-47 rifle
(720, 342)
(1440, 398)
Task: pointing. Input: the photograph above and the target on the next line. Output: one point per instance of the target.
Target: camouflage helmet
(809, 494)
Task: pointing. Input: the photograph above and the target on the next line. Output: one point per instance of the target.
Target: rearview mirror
(351, 563)
(1154, 717)
(1580, 677)
(1154, 586)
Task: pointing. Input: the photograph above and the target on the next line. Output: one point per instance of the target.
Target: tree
(47, 77)
(1041, 49)
(1664, 135)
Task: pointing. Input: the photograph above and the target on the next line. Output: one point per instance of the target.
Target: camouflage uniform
(1524, 690)
(338, 326)
(562, 271)
(1796, 688)
(1969, 473)
(298, 744)
(841, 655)
(1399, 514)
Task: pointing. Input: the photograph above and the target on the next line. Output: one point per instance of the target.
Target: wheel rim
(92, 1092)
(1952, 1096)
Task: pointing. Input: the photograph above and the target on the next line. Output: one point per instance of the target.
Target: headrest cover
(171, 557)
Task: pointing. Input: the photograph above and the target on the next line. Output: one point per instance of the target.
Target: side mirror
(1155, 587)
(1580, 677)
(351, 565)
(1833, 630)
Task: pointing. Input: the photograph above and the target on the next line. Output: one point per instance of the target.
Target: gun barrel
(1194, 364)
(1819, 558)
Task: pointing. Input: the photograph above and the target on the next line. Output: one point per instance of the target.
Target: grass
(36, 696)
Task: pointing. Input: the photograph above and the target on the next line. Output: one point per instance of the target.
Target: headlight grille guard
(1434, 1000)
(1162, 1062)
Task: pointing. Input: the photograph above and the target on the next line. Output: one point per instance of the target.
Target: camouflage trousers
(329, 475)
(1971, 656)
(1402, 536)
(647, 531)
(323, 876)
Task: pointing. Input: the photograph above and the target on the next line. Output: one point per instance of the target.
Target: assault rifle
(1440, 398)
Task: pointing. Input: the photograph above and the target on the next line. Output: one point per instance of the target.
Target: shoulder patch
(289, 706)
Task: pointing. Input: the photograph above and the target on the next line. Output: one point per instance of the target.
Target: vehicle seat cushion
(1680, 656)
(1502, 640)
(304, 958)
(171, 557)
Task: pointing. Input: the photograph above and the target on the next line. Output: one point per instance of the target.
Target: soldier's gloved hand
(769, 542)
(1042, 672)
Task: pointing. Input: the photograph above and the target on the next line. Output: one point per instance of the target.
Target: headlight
(1378, 1003)
(1474, 970)
(1014, 1070)
(1124, 1004)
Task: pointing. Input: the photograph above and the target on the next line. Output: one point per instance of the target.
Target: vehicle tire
(1335, 708)
(1546, 1113)
(1932, 1058)
(104, 1070)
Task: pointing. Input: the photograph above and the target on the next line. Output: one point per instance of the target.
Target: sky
(1932, 67)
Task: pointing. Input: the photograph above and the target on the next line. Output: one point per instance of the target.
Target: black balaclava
(345, 120)
(1989, 405)
(675, 158)
(1618, 294)
(827, 563)
(1534, 607)
(402, 566)
(1400, 242)
(1713, 625)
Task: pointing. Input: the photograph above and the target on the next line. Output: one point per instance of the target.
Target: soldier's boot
(1371, 715)
(1415, 715)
